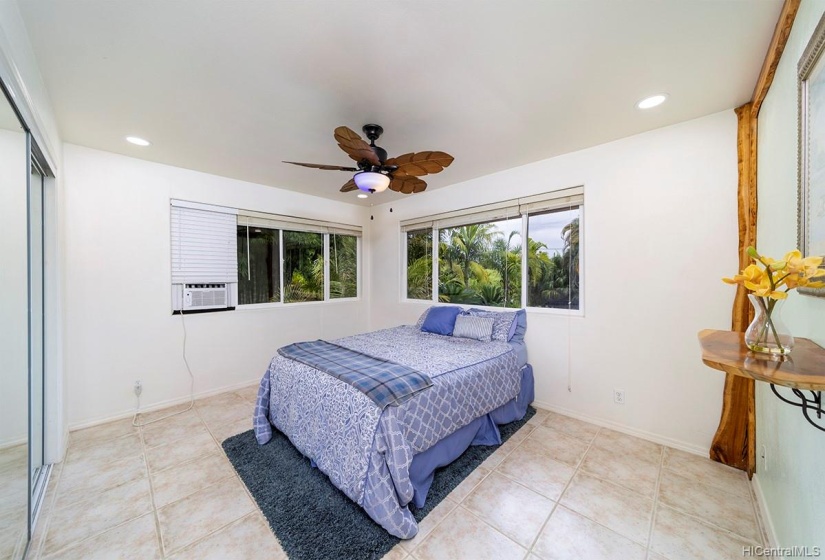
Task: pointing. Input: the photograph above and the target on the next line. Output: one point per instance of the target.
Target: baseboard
(764, 512)
(13, 443)
(161, 405)
(649, 436)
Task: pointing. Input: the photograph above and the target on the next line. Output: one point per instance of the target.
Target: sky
(545, 228)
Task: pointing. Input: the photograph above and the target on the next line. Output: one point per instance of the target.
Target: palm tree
(472, 242)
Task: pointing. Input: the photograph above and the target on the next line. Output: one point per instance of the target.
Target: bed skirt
(481, 431)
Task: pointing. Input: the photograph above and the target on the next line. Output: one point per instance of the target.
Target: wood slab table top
(803, 368)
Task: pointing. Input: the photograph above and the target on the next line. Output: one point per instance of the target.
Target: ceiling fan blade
(349, 141)
(407, 185)
(418, 164)
(349, 186)
(322, 166)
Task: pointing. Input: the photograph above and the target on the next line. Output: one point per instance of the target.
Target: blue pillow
(441, 320)
(519, 327)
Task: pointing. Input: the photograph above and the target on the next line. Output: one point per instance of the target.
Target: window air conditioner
(205, 296)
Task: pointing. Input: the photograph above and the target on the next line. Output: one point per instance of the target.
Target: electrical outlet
(764, 455)
(618, 396)
(138, 388)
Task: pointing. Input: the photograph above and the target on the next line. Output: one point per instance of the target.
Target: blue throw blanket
(384, 382)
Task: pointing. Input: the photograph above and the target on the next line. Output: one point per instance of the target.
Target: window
(303, 266)
(553, 259)
(259, 265)
(480, 264)
(516, 253)
(291, 260)
(420, 264)
(343, 266)
(224, 257)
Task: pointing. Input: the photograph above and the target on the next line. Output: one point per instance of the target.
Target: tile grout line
(88, 537)
(156, 519)
(154, 509)
(561, 495)
(705, 521)
(757, 515)
(458, 503)
(234, 475)
(649, 547)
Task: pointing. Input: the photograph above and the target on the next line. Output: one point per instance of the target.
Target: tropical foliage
(480, 264)
(343, 266)
(420, 264)
(303, 266)
(259, 266)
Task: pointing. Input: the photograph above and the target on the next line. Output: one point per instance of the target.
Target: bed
(383, 458)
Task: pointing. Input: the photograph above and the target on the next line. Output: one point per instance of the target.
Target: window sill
(530, 310)
(278, 305)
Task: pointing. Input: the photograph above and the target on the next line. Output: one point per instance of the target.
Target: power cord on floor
(191, 387)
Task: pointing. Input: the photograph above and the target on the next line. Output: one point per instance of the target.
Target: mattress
(366, 451)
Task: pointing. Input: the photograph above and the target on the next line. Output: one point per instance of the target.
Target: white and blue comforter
(366, 451)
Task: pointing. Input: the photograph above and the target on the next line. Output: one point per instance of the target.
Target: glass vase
(767, 333)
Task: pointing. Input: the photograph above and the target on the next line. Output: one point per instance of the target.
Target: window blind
(291, 223)
(513, 208)
(204, 245)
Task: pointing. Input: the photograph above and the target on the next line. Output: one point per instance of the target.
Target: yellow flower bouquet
(769, 282)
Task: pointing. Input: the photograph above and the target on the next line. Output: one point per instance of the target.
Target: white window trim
(538, 204)
(327, 298)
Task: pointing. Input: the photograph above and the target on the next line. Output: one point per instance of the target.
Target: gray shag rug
(314, 520)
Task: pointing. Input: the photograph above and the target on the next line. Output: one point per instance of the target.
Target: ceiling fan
(375, 172)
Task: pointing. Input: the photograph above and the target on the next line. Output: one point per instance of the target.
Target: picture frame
(811, 161)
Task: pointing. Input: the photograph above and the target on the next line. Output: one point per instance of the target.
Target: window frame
(327, 300)
(328, 277)
(525, 217)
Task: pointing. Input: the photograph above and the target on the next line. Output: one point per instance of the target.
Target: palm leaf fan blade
(349, 186)
(418, 164)
(355, 146)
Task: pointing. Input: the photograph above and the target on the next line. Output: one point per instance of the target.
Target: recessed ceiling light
(362, 195)
(138, 141)
(652, 101)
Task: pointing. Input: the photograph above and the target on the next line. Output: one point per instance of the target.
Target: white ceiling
(233, 88)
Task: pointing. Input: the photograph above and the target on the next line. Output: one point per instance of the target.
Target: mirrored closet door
(14, 340)
(23, 318)
(37, 329)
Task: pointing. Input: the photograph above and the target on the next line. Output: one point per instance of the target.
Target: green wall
(793, 482)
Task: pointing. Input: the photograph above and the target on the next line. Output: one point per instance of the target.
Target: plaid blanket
(384, 382)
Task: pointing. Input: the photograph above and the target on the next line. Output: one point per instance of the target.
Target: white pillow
(477, 328)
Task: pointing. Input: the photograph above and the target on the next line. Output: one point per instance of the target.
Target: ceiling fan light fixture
(371, 181)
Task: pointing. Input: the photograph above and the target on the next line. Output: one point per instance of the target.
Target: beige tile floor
(559, 488)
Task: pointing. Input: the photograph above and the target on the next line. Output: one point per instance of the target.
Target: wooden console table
(802, 370)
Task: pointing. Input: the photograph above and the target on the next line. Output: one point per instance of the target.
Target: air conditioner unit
(197, 297)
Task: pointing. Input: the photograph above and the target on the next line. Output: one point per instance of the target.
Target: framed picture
(811, 223)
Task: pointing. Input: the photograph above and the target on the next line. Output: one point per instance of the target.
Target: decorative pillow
(423, 317)
(441, 320)
(519, 327)
(477, 328)
(504, 321)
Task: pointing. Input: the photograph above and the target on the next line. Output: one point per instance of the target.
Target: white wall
(119, 326)
(792, 482)
(14, 374)
(659, 232)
